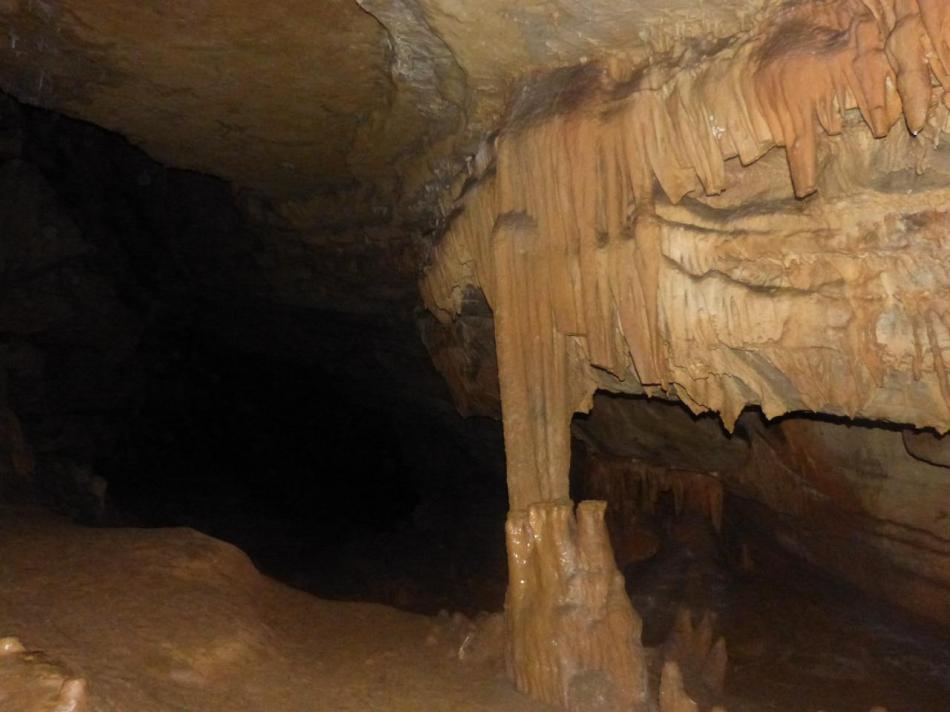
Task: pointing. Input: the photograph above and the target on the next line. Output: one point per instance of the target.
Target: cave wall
(150, 316)
(88, 268)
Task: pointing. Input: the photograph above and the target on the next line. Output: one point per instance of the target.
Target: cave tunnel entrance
(162, 363)
(343, 497)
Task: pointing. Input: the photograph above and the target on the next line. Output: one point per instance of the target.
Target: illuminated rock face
(622, 247)
(852, 499)
(344, 107)
(834, 305)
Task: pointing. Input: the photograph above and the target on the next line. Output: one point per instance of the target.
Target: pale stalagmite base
(693, 653)
(568, 616)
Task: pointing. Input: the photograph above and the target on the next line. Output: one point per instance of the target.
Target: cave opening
(150, 392)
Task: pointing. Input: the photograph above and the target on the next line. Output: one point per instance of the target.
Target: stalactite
(720, 309)
(632, 489)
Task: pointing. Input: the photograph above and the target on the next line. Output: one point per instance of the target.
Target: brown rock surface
(629, 225)
(295, 99)
(31, 683)
(611, 261)
(835, 305)
(210, 85)
(174, 620)
(567, 611)
(849, 498)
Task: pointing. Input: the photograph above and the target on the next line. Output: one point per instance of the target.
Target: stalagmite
(14, 444)
(567, 610)
(673, 697)
(699, 656)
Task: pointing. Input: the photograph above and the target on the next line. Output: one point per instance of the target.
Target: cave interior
(434, 355)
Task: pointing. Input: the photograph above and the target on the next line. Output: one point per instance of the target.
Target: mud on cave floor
(446, 553)
(170, 619)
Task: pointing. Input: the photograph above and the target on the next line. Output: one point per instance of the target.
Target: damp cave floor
(171, 619)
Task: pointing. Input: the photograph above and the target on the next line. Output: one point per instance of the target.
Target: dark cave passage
(158, 380)
(338, 498)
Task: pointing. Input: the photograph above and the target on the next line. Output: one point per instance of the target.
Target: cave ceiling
(301, 102)
(363, 124)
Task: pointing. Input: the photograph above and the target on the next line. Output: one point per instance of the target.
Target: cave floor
(170, 619)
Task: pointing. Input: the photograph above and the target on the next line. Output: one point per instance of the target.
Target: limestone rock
(850, 499)
(607, 268)
(864, 502)
(632, 490)
(699, 656)
(572, 634)
(16, 458)
(364, 99)
(673, 696)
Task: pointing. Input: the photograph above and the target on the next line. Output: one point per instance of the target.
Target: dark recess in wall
(152, 388)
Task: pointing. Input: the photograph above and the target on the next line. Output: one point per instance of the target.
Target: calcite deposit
(693, 298)
(567, 611)
(611, 261)
(731, 212)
